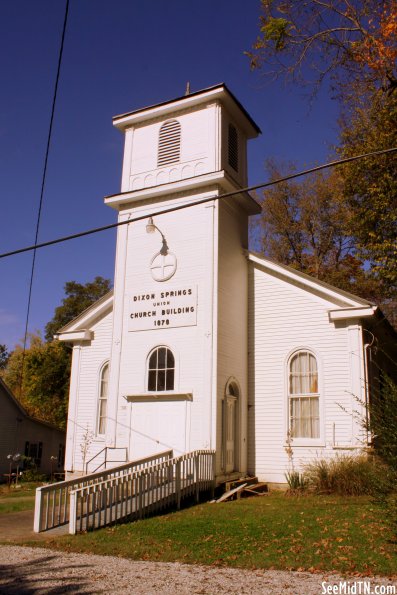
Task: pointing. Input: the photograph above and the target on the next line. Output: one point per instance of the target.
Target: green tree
(306, 223)
(353, 44)
(370, 186)
(39, 378)
(78, 297)
(45, 379)
(4, 355)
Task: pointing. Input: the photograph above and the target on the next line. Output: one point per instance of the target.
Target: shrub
(296, 481)
(383, 421)
(348, 475)
(32, 475)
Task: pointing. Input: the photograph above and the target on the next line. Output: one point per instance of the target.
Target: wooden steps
(243, 487)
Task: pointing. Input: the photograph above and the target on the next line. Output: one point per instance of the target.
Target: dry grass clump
(348, 475)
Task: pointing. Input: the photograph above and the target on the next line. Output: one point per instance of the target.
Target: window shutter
(169, 143)
(233, 147)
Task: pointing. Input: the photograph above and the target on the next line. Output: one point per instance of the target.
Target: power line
(197, 202)
(35, 246)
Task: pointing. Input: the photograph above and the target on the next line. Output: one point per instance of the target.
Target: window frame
(102, 436)
(304, 440)
(147, 372)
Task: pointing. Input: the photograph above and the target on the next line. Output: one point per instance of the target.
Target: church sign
(163, 308)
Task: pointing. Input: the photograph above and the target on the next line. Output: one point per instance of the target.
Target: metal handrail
(105, 461)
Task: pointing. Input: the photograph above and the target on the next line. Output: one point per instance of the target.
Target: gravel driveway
(25, 570)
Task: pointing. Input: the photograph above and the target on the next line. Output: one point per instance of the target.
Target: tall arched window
(304, 397)
(103, 399)
(161, 370)
(169, 143)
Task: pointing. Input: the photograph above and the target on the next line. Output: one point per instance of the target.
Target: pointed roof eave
(13, 398)
(339, 297)
(23, 411)
(79, 327)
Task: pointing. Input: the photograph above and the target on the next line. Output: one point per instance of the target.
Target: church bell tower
(179, 354)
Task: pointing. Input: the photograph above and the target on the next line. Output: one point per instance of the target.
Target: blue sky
(118, 56)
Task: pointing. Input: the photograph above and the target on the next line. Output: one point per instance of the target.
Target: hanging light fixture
(150, 226)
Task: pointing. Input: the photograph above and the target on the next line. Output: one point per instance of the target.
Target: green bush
(32, 475)
(348, 475)
(383, 421)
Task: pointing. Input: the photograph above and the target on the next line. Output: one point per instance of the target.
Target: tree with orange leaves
(349, 41)
(351, 44)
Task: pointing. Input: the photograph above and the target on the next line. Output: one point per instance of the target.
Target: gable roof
(339, 297)
(10, 395)
(5, 390)
(79, 327)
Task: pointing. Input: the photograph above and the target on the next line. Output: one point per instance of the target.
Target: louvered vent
(233, 147)
(169, 143)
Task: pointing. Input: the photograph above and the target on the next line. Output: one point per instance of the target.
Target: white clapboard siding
(144, 427)
(232, 323)
(283, 318)
(197, 154)
(83, 408)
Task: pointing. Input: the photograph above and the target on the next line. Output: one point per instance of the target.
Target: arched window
(169, 143)
(103, 399)
(161, 370)
(304, 397)
(233, 147)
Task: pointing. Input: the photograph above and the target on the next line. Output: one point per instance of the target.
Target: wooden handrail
(52, 501)
(140, 492)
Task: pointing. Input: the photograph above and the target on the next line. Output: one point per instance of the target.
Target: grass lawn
(275, 531)
(17, 499)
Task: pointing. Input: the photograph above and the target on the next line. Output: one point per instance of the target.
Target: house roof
(8, 393)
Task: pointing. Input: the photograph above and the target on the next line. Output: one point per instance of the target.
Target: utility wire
(197, 202)
(36, 245)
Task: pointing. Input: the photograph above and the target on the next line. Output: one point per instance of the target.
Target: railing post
(197, 473)
(213, 475)
(140, 496)
(178, 484)
(37, 525)
(73, 513)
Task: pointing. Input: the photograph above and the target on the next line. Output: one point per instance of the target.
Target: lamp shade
(150, 226)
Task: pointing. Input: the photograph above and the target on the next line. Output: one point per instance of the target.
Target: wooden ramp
(130, 491)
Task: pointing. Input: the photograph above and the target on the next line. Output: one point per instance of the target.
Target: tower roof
(218, 92)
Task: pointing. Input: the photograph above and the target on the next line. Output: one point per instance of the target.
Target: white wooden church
(202, 344)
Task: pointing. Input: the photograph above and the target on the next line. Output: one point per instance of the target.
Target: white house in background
(203, 345)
